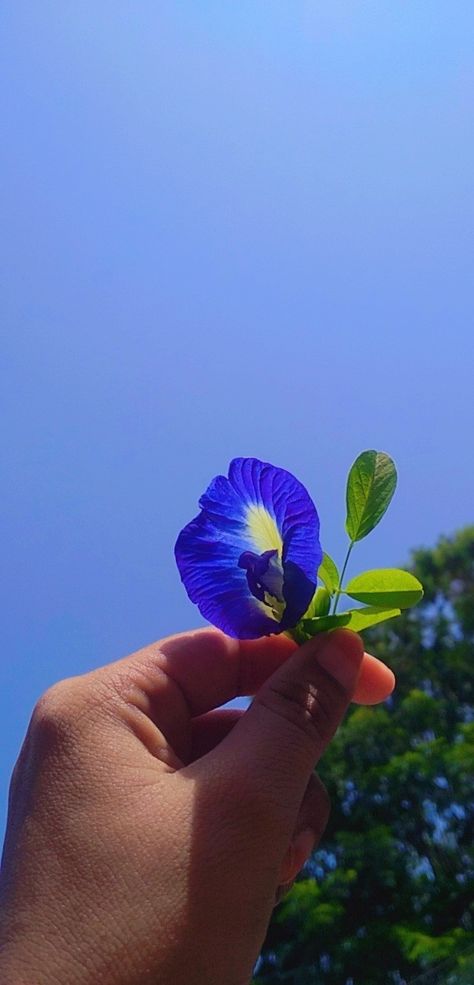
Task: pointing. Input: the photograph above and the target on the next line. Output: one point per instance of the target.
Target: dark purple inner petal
(298, 590)
(264, 574)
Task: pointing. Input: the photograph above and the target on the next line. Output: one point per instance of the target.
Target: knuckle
(304, 705)
(57, 711)
(17, 773)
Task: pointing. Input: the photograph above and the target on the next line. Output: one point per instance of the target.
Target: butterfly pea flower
(249, 560)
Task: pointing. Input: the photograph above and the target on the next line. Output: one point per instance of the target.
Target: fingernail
(298, 853)
(341, 655)
(303, 844)
(283, 891)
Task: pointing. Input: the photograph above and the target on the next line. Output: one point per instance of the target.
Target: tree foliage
(389, 896)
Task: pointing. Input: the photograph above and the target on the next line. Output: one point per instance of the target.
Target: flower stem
(341, 579)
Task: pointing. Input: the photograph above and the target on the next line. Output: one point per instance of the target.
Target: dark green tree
(390, 894)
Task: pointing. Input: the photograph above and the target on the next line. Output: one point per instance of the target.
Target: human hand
(148, 833)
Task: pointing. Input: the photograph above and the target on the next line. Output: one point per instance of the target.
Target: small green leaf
(319, 605)
(371, 484)
(385, 587)
(321, 624)
(329, 574)
(355, 619)
(369, 616)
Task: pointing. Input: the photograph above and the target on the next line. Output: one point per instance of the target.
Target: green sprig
(371, 484)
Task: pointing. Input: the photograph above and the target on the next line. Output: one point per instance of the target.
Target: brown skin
(149, 834)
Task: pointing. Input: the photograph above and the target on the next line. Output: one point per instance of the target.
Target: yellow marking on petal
(269, 610)
(276, 606)
(263, 530)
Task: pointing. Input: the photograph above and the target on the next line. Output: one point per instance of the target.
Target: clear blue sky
(228, 229)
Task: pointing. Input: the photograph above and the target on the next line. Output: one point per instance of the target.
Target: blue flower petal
(259, 510)
(208, 562)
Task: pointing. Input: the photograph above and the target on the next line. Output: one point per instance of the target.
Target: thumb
(274, 747)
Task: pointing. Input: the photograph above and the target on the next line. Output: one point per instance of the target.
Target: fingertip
(376, 681)
(339, 653)
(351, 642)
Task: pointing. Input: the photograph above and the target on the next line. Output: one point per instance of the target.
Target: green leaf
(329, 574)
(371, 484)
(385, 587)
(355, 619)
(369, 616)
(319, 605)
(321, 624)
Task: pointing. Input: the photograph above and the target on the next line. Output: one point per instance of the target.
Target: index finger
(211, 668)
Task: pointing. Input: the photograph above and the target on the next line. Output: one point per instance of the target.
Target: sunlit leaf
(388, 587)
(321, 624)
(319, 605)
(369, 616)
(355, 619)
(329, 574)
(371, 484)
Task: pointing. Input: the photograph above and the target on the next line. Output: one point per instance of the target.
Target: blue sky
(227, 229)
